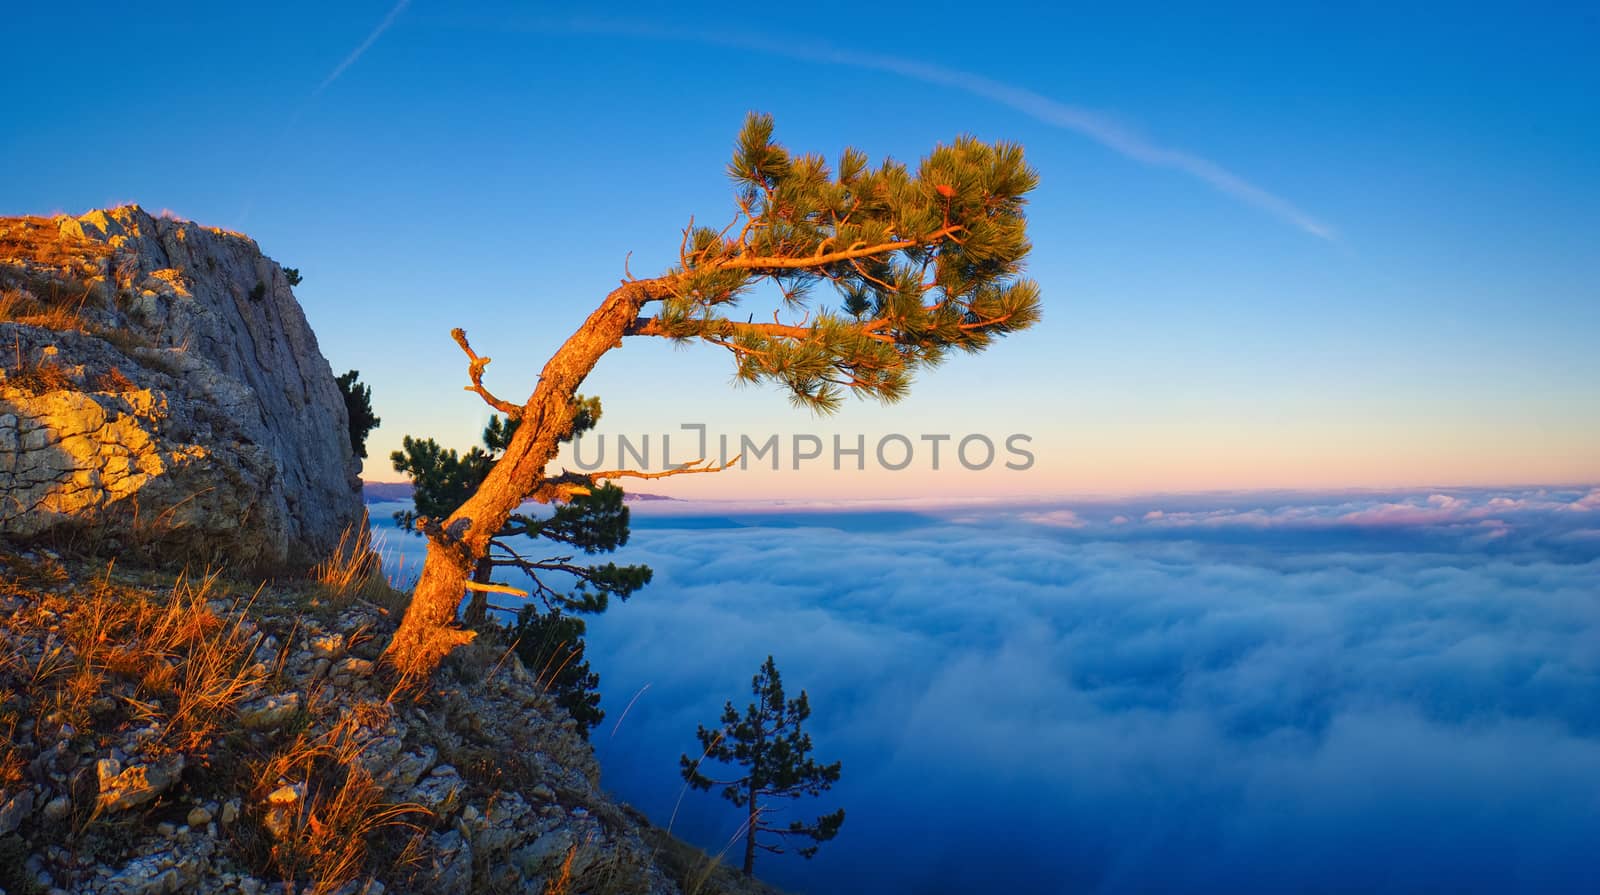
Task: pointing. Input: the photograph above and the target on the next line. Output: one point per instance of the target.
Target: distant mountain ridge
(378, 492)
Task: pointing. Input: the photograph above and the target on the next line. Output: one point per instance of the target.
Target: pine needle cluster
(918, 264)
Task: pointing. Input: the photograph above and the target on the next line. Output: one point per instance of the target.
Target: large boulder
(161, 391)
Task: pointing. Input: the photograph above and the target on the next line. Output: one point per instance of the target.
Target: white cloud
(1059, 518)
(1273, 705)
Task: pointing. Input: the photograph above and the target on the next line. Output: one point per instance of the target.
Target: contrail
(365, 45)
(293, 120)
(1035, 105)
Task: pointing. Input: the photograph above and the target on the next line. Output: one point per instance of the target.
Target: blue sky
(1279, 248)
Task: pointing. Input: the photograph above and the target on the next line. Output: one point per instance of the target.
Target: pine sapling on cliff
(768, 742)
(918, 263)
(358, 408)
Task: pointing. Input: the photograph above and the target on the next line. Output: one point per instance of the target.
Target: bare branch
(475, 373)
(683, 244)
(495, 588)
(980, 324)
(568, 485)
(867, 276)
(693, 466)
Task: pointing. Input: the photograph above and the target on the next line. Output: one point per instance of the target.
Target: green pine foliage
(920, 262)
(768, 741)
(358, 407)
(550, 644)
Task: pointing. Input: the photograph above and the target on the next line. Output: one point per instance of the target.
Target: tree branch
(800, 263)
(475, 373)
(495, 588)
(564, 487)
(652, 326)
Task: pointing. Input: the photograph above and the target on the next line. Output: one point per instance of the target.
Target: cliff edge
(162, 393)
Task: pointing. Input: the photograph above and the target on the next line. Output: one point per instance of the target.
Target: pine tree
(920, 263)
(358, 408)
(767, 740)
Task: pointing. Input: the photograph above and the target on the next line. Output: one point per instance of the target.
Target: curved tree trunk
(427, 631)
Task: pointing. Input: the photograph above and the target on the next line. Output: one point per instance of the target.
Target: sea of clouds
(1220, 693)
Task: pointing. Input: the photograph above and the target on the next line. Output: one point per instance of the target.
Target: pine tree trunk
(427, 633)
(750, 836)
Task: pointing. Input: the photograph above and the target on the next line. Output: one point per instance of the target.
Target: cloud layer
(1222, 694)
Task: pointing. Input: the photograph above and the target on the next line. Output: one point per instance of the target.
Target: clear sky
(1340, 247)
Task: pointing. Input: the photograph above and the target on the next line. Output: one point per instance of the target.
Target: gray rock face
(183, 401)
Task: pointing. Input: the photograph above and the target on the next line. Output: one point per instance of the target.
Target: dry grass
(21, 306)
(347, 570)
(46, 280)
(324, 840)
(157, 672)
(698, 872)
(37, 378)
(89, 663)
(562, 883)
(188, 667)
(114, 380)
(44, 272)
(38, 240)
(355, 569)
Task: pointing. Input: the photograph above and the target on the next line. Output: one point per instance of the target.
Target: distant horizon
(1099, 495)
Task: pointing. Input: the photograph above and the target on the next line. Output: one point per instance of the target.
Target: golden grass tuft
(40, 240)
(562, 883)
(22, 306)
(37, 378)
(189, 668)
(355, 569)
(115, 381)
(324, 841)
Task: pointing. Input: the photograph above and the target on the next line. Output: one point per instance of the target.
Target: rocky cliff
(228, 739)
(161, 391)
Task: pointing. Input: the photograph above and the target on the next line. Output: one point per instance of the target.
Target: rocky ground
(203, 735)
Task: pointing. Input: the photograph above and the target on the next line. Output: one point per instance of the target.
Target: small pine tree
(768, 742)
(358, 407)
(551, 645)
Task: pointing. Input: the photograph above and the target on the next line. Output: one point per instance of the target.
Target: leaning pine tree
(919, 262)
